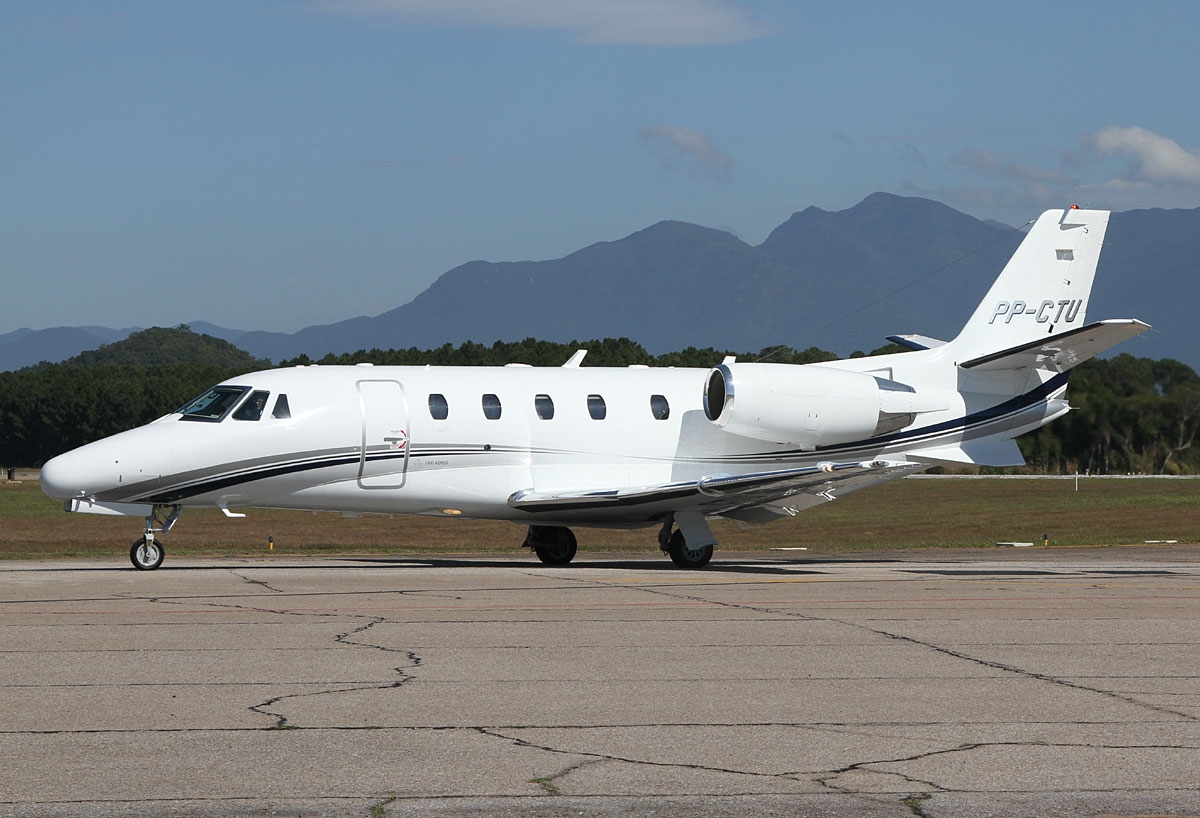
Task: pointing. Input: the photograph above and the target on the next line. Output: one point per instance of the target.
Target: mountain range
(840, 280)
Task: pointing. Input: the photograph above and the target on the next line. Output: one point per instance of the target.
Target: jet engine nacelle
(805, 405)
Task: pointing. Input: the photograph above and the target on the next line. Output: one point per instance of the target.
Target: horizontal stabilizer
(916, 342)
(1058, 353)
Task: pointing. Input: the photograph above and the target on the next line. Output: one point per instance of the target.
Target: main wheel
(684, 555)
(554, 545)
(146, 556)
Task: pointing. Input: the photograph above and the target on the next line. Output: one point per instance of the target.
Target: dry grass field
(910, 513)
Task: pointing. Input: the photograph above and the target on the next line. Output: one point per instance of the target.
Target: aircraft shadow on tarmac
(756, 566)
(776, 567)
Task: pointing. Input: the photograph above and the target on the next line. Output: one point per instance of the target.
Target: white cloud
(1017, 190)
(1115, 168)
(984, 164)
(609, 22)
(1153, 158)
(676, 147)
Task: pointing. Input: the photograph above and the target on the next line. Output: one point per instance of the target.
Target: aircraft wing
(720, 493)
(1060, 352)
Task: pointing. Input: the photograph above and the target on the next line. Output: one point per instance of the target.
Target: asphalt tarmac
(1030, 682)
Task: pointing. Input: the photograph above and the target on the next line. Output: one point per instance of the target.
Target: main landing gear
(689, 546)
(553, 544)
(147, 552)
(684, 554)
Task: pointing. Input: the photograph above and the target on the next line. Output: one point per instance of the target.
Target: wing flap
(719, 493)
(538, 500)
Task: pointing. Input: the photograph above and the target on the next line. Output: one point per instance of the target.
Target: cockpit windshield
(214, 404)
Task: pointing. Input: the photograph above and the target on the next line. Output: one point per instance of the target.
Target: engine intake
(806, 405)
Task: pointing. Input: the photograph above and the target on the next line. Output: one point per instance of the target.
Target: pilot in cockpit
(253, 408)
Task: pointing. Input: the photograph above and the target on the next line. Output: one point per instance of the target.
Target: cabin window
(214, 404)
(281, 411)
(596, 407)
(544, 407)
(659, 407)
(252, 408)
(438, 408)
(491, 407)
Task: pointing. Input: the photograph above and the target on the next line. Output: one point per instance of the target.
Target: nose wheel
(146, 554)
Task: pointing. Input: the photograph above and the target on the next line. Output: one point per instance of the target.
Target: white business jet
(552, 448)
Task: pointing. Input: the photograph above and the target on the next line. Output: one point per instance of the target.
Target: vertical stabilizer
(1044, 288)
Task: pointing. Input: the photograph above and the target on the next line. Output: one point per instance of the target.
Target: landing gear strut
(675, 545)
(147, 553)
(553, 544)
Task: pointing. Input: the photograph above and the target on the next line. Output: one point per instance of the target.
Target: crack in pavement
(281, 720)
(827, 779)
(824, 778)
(494, 732)
(258, 582)
(994, 665)
(1032, 674)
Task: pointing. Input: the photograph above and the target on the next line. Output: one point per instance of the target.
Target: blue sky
(277, 164)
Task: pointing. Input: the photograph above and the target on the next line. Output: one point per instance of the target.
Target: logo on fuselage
(1047, 312)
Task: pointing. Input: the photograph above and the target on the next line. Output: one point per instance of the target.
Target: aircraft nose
(82, 472)
(107, 465)
(61, 477)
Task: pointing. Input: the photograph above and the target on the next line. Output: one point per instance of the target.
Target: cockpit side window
(214, 404)
(281, 411)
(252, 408)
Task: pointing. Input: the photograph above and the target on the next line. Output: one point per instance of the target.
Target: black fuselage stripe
(981, 418)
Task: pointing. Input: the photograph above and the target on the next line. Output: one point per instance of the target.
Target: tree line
(1132, 415)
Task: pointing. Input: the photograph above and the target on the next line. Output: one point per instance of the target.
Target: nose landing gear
(147, 553)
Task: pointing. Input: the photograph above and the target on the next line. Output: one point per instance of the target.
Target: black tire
(553, 544)
(686, 557)
(146, 557)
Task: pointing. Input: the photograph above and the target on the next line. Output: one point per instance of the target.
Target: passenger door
(385, 446)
